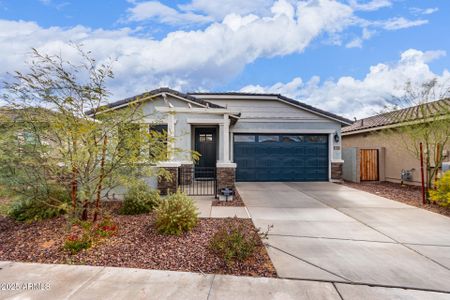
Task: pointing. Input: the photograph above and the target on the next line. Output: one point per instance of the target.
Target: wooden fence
(369, 164)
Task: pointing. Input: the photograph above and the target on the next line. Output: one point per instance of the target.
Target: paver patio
(326, 231)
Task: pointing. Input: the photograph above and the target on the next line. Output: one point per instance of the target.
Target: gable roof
(280, 97)
(409, 114)
(156, 92)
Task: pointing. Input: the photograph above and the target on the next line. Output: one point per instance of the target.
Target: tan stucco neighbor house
(368, 145)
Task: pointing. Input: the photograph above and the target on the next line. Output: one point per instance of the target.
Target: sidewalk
(88, 282)
(204, 205)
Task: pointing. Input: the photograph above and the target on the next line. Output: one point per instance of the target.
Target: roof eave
(153, 94)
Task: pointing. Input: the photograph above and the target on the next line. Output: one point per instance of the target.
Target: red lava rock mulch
(407, 194)
(237, 201)
(136, 245)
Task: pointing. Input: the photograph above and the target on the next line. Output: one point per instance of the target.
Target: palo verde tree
(426, 122)
(60, 141)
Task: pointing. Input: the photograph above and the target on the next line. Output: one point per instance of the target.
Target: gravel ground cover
(407, 194)
(136, 245)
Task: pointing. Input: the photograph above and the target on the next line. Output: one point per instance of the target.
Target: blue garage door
(281, 157)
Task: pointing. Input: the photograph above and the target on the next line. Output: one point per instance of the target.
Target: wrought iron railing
(197, 181)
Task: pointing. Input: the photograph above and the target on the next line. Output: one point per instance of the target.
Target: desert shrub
(234, 243)
(79, 237)
(4, 208)
(47, 203)
(106, 227)
(442, 193)
(140, 199)
(176, 214)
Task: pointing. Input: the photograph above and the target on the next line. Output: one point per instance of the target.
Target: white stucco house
(243, 137)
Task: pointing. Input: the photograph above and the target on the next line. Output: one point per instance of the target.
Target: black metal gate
(198, 181)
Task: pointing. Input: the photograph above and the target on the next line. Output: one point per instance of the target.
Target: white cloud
(219, 9)
(155, 10)
(371, 5)
(355, 43)
(400, 23)
(187, 60)
(200, 12)
(424, 11)
(197, 11)
(353, 97)
(358, 42)
(183, 59)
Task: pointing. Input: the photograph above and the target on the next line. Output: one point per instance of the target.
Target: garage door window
(292, 139)
(320, 139)
(244, 138)
(268, 138)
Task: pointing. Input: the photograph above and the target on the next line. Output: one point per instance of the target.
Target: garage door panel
(282, 158)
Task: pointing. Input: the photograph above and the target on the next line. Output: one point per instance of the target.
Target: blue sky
(345, 56)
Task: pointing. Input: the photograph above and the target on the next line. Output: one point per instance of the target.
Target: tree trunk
(74, 183)
(102, 175)
(84, 215)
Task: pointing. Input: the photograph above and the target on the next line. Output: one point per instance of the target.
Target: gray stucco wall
(183, 129)
(256, 116)
(275, 116)
(350, 168)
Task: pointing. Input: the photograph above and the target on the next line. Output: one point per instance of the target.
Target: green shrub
(4, 208)
(234, 243)
(75, 244)
(176, 214)
(106, 227)
(48, 203)
(140, 199)
(80, 237)
(442, 193)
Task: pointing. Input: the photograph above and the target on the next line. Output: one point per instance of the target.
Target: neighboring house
(373, 153)
(242, 137)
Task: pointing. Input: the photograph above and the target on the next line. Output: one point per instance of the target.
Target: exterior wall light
(336, 137)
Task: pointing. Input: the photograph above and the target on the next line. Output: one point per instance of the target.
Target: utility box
(226, 194)
(406, 175)
(445, 167)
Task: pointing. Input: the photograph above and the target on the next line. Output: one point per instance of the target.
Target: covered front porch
(206, 135)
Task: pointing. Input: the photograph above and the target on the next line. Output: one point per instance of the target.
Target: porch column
(226, 138)
(226, 170)
(170, 135)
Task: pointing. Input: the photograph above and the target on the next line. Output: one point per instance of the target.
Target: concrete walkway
(88, 282)
(325, 231)
(206, 210)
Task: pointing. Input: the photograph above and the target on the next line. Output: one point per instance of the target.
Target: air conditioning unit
(406, 175)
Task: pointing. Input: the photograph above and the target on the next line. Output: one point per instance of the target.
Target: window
(244, 138)
(292, 139)
(268, 138)
(206, 137)
(158, 140)
(316, 139)
(159, 128)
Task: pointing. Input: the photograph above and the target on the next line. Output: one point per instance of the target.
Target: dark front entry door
(205, 144)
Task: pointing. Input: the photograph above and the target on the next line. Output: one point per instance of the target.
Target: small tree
(428, 122)
(48, 138)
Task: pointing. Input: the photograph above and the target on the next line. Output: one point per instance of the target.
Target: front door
(205, 144)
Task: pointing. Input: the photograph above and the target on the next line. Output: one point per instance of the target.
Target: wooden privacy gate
(369, 164)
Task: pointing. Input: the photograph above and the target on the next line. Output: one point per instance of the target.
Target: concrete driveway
(326, 231)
